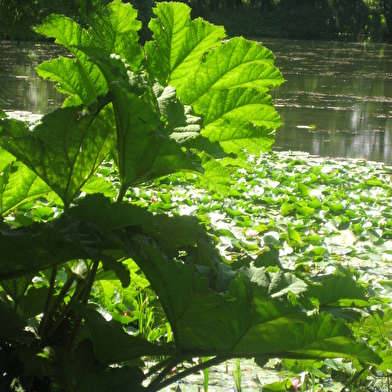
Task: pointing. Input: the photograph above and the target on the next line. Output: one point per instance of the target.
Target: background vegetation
(303, 19)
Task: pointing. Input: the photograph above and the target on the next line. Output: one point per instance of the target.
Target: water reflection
(20, 86)
(343, 89)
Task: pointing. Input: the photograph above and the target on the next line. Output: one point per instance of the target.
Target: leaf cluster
(93, 283)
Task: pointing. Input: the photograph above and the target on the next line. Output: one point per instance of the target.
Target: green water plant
(205, 373)
(237, 376)
(100, 292)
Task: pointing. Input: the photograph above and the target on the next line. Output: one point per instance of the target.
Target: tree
(386, 7)
(351, 17)
(17, 17)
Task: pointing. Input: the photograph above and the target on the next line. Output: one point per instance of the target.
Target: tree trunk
(387, 11)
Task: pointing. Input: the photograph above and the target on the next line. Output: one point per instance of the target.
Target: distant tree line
(18, 16)
(348, 19)
(351, 19)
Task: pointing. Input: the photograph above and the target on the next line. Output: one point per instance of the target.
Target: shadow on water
(337, 99)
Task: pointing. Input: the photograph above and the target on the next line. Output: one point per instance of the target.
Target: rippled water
(337, 99)
(20, 87)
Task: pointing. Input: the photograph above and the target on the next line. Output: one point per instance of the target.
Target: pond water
(337, 99)
(21, 89)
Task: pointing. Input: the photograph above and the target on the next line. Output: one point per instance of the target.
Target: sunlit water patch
(343, 89)
(21, 89)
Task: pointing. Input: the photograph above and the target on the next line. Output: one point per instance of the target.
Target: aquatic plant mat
(315, 216)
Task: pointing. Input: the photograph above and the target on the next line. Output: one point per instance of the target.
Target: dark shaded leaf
(242, 321)
(81, 372)
(113, 345)
(41, 246)
(171, 232)
(12, 326)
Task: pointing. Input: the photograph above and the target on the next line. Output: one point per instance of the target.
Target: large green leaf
(341, 287)
(151, 123)
(242, 321)
(242, 119)
(171, 233)
(5, 157)
(19, 185)
(321, 336)
(80, 80)
(277, 284)
(65, 149)
(226, 83)
(78, 77)
(179, 43)
(180, 122)
(114, 31)
(41, 246)
(143, 154)
(215, 177)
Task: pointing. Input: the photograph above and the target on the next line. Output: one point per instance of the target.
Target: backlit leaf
(79, 78)
(20, 186)
(65, 149)
(226, 83)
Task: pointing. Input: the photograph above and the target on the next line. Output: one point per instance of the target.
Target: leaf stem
(86, 295)
(60, 298)
(156, 384)
(62, 317)
(121, 194)
(158, 366)
(355, 378)
(41, 328)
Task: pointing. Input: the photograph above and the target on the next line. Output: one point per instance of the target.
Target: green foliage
(19, 16)
(15, 17)
(305, 19)
(184, 106)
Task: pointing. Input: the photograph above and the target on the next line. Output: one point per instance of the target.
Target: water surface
(21, 89)
(337, 99)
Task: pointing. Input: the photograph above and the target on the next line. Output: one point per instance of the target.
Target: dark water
(20, 87)
(342, 90)
(337, 100)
